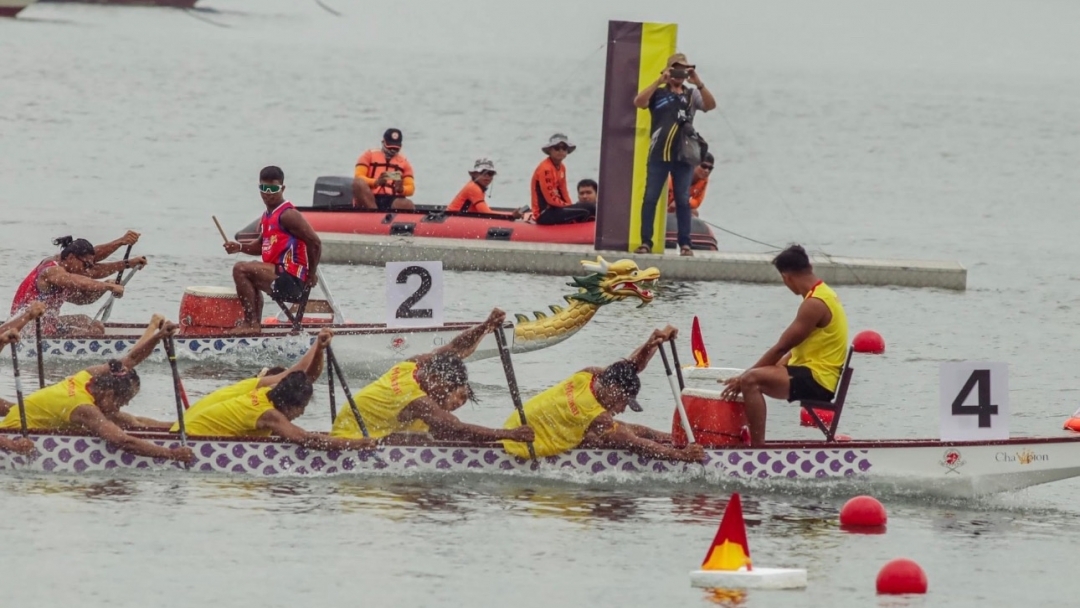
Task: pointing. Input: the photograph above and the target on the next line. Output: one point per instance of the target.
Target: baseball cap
(392, 138)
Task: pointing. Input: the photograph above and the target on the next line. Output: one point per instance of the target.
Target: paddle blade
(729, 550)
(697, 344)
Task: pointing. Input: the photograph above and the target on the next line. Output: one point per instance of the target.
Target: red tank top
(29, 293)
(280, 248)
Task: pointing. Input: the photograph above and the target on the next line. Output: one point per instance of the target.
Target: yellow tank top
(380, 403)
(49, 409)
(224, 394)
(559, 416)
(825, 350)
(236, 417)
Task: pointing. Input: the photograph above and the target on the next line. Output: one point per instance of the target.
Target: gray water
(917, 130)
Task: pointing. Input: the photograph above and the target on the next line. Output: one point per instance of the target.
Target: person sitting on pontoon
(472, 198)
(91, 400)
(805, 362)
(71, 277)
(270, 408)
(419, 395)
(580, 412)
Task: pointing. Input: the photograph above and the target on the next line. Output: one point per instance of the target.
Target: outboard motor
(332, 191)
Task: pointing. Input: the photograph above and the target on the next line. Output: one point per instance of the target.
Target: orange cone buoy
(901, 576)
(825, 415)
(863, 512)
(868, 342)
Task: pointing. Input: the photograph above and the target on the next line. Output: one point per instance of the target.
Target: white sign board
(974, 401)
(414, 294)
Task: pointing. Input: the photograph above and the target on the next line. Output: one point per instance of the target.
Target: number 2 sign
(414, 294)
(974, 401)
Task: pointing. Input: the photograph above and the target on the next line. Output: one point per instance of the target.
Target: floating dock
(557, 259)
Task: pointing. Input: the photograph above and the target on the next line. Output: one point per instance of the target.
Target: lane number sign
(414, 294)
(974, 401)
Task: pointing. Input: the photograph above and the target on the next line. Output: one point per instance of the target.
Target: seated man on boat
(697, 186)
(384, 177)
(72, 277)
(587, 192)
(472, 198)
(290, 251)
(805, 362)
(91, 400)
(551, 203)
(419, 395)
(270, 407)
(580, 412)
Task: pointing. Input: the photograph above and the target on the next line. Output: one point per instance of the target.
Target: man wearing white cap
(472, 198)
(551, 202)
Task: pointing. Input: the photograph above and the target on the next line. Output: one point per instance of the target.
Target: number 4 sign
(974, 401)
(414, 294)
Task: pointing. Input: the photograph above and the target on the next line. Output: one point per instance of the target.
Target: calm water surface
(927, 130)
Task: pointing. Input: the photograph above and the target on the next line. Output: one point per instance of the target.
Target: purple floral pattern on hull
(287, 347)
(78, 454)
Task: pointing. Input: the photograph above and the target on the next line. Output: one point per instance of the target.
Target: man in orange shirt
(384, 177)
(697, 187)
(472, 198)
(551, 202)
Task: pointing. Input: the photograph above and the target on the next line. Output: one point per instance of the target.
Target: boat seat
(836, 406)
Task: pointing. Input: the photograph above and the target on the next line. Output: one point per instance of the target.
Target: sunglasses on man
(270, 188)
(707, 167)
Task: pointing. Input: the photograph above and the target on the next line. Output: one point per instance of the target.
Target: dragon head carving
(614, 281)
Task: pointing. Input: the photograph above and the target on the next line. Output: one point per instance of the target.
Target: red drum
(715, 422)
(210, 307)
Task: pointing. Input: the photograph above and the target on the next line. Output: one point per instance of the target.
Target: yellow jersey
(236, 417)
(224, 394)
(825, 349)
(380, 403)
(50, 408)
(558, 416)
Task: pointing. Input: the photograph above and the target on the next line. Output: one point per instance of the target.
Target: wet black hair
(72, 246)
(708, 158)
(622, 375)
(450, 368)
(294, 390)
(793, 259)
(590, 183)
(123, 383)
(272, 174)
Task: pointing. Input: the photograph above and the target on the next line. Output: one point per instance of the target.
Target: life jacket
(28, 292)
(50, 408)
(377, 164)
(236, 417)
(280, 248)
(380, 403)
(559, 417)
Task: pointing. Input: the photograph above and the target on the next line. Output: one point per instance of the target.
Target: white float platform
(549, 258)
(758, 578)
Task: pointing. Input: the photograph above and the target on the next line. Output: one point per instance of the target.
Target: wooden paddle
(40, 354)
(127, 254)
(178, 388)
(677, 392)
(332, 361)
(333, 397)
(511, 381)
(18, 390)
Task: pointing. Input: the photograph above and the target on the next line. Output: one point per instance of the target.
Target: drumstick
(219, 229)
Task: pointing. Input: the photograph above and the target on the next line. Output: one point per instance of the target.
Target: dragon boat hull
(10, 8)
(957, 469)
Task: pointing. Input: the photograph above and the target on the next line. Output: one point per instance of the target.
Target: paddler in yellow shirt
(419, 395)
(805, 362)
(91, 400)
(580, 412)
(19, 445)
(271, 407)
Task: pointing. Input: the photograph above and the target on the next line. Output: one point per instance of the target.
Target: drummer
(419, 395)
(91, 400)
(271, 407)
(71, 277)
(290, 252)
(580, 412)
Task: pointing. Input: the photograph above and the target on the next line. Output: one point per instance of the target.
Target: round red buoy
(825, 415)
(901, 576)
(863, 512)
(869, 342)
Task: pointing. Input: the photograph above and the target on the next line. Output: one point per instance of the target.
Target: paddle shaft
(178, 388)
(345, 387)
(120, 273)
(677, 393)
(333, 397)
(40, 354)
(511, 382)
(106, 308)
(675, 361)
(219, 229)
(18, 390)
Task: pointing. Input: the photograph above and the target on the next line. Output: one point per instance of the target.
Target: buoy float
(901, 576)
(863, 514)
(825, 415)
(868, 342)
(727, 563)
(1073, 423)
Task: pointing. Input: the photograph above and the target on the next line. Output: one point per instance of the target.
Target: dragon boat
(207, 313)
(10, 8)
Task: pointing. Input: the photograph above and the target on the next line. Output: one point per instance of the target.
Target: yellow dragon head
(614, 282)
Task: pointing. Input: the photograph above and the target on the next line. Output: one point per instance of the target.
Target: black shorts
(804, 387)
(287, 288)
(384, 201)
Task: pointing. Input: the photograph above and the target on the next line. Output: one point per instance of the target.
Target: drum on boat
(210, 307)
(716, 422)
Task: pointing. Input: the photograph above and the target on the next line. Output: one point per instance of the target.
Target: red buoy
(901, 576)
(825, 415)
(868, 342)
(863, 512)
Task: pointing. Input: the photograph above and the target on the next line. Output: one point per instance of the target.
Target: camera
(679, 73)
